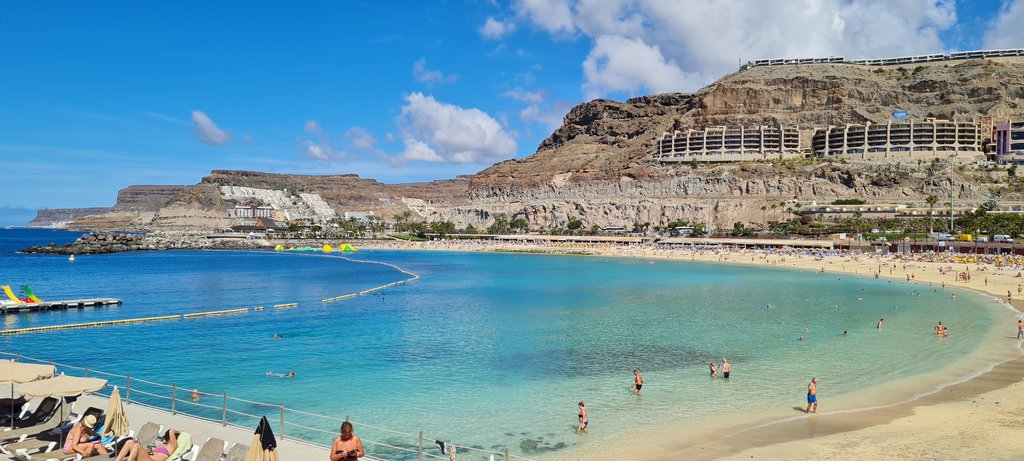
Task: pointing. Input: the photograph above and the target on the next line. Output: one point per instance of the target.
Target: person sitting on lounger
(78, 439)
(136, 450)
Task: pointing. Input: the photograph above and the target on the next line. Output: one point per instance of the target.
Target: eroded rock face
(598, 165)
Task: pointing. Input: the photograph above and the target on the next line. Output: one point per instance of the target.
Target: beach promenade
(979, 418)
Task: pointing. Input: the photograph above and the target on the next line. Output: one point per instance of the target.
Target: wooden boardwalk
(59, 305)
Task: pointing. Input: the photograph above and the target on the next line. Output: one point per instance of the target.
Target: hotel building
(909, 139)
(729, 144)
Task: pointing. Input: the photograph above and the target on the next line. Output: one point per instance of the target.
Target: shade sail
(18, 372)
(61, 386)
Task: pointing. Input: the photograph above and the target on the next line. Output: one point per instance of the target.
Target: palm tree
(931, 201)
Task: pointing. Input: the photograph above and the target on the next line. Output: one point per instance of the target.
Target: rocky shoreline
(97, 243)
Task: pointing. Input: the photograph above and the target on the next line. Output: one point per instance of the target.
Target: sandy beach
(980, 418)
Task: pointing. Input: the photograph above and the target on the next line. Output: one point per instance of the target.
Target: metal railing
(296, 425)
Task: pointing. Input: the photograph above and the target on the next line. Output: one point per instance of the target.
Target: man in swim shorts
(812, 396)
(638, 382)
(726, 368)
(1020, 329)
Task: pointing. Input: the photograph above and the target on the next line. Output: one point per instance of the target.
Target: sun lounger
(30, 444)
(53, 421)
(211, 450)
(148, 432)
(237, 452)
(43, 412)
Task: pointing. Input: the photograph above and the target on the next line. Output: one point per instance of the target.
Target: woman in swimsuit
(348, 446)
(135, 450)
(78, 439)
(583, 418)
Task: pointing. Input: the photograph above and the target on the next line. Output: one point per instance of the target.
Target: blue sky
(95, 96)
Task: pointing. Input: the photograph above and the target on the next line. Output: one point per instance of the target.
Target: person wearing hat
(78, 439)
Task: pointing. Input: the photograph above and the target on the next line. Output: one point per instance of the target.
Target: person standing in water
(638, 382)
(726, 368)
(879, 324)
(1020, 329)
(714, 369)
(583, 418)
(812, 396)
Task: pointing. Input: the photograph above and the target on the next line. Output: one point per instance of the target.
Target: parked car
(981, 238)
(1002, 238)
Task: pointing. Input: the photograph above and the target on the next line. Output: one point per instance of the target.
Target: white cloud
(208, 131)
(630, 65)
(313, 127)
(435, 131)
(539, 110)
(554, 16)
(529, 97)
(430, 77)
(361, 138)
(311, 149)
(495, 29)
(318, 148)
(690, 43)
(1005, 30)
(165, 118)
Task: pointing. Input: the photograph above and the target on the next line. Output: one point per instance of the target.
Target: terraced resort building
(729, 144)
(909, 139)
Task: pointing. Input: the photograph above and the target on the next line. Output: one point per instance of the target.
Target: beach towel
(184, 445)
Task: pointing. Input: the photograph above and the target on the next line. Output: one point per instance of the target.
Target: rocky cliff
(62, 217)
(598, 165)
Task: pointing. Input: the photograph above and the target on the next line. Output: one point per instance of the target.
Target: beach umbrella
(117, 422)
(16, 373)
(61, 386)
(264, 445)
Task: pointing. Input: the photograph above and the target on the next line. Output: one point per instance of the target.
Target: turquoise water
(492, 350)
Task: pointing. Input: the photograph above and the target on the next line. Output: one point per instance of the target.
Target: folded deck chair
(53, 421)
(211, 451)
(237, 452)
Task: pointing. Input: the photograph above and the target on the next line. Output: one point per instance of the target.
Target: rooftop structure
(729, 144)
(900, 60)
(909, 139)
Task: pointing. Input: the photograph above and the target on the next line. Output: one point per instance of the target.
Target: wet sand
(980, 418)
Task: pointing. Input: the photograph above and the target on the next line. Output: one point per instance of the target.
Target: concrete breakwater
(114, 243)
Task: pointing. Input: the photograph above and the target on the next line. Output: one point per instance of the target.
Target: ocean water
(492, 350)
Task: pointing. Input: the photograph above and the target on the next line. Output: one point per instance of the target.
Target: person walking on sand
(583, 418)
(638, 382)
(726, 368)
(812, 396)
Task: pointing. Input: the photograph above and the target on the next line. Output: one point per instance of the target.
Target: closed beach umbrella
(264, 445)
(117, 421)
(16, 373)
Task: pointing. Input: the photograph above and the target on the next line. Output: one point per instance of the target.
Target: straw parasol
(16, 373)
(117, 422)
(264, 445)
